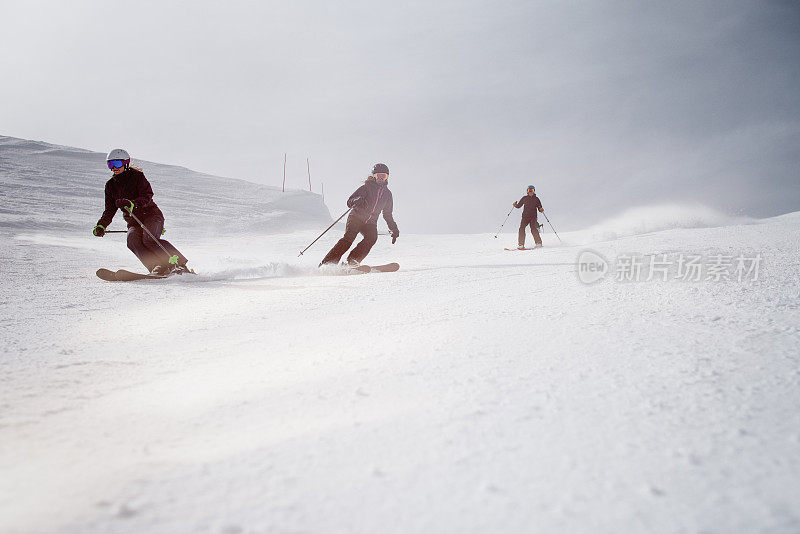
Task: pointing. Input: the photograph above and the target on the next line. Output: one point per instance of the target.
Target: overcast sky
(602, 105)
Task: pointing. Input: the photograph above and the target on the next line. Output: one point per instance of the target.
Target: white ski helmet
(118, 153)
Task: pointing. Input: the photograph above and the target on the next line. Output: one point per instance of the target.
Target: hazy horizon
(602, 106)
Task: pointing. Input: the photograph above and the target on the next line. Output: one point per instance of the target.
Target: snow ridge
(44, 187)
(647, 219)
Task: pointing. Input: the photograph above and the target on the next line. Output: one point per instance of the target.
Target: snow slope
(654, 218)
(45, 187)
(475, 390)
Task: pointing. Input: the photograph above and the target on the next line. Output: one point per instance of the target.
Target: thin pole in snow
(308, 164)
(284, 173)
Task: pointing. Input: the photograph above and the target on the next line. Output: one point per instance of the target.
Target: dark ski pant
(534, 224)
(145, 247)
(355, 225)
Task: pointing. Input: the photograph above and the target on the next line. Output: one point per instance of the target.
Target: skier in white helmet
(129, 190)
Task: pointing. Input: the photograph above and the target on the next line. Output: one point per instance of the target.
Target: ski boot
(161, 270)
(182, 269)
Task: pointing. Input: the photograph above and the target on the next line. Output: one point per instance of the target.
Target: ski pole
(326, 231)
(551, 225)
(116, 232)
(504, 222)
(173, 259)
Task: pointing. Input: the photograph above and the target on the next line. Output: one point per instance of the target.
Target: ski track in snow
(475, 390)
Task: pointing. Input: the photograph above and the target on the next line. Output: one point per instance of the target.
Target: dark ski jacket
(370, 200)
(130, 184)
(531, 204)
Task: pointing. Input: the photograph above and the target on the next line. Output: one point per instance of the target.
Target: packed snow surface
(475, 390)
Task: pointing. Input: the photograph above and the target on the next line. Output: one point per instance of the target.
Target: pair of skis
(123, 275)
(127, 276)
(387, 268)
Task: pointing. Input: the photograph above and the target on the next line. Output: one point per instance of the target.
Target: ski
(346, 269)
(514, 249)
(107, 275)
(124, 276)
(127, 276)
(387, 268)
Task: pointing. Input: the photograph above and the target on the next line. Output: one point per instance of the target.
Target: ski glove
(125, 204)
(515, 205)
(99, 231)
(355, 202)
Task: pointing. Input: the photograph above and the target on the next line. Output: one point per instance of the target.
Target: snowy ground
(476, 390)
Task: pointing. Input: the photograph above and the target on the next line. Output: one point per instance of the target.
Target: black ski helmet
(380, 167)
(531, 187)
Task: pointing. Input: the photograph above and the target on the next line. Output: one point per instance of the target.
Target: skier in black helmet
(129, 190)
(531, 204)
(367, 202)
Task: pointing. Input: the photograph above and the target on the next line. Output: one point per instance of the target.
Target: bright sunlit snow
(475, 390)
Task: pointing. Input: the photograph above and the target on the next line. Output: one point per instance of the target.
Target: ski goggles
(381, 176)
(531, 189)
(117, 163)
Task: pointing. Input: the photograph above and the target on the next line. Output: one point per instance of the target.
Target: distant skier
(129, 190)
(367, 202)
(531, 203)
